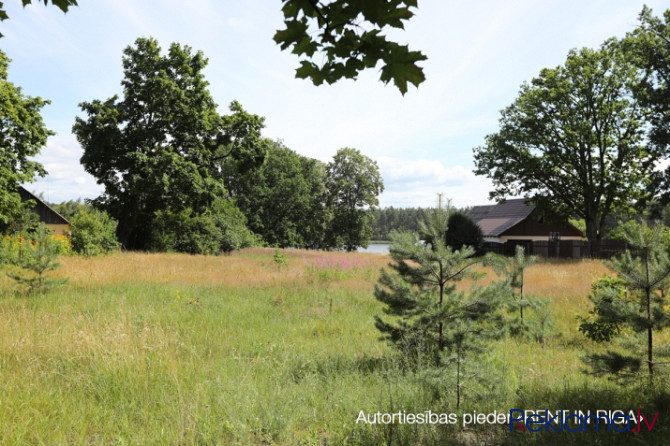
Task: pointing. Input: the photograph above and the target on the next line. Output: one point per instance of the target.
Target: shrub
(220, 229)
(93, 232)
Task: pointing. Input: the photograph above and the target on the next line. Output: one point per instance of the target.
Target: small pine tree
(431, 319)
(641, 308)
(514, 269)
(36, 255)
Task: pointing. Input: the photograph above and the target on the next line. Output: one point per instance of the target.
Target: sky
(479, 54)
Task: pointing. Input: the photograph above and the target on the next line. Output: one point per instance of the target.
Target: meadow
(236, 350)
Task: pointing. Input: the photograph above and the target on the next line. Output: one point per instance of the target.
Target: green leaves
(161, 146)
(22, 136)
(354, 183)
(574, 140)
(348, 36)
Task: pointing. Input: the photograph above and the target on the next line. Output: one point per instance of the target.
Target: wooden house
(517, 220)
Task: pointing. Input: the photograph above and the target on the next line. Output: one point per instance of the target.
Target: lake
(376, 248)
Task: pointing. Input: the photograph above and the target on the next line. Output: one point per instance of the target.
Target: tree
(640, 307)
(34, 254)
(354, 183)
(649, 47)
(22, 136)
(431, 317)
(574, 139)
(283, 199)
(463, 232)
(64, 5)
(160, 148)
(346, 38)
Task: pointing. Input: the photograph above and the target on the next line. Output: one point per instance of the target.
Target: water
(376, 248)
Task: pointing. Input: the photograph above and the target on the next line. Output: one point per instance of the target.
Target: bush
(93, 232)
(220, 229)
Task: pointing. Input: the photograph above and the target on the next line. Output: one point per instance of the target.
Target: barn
(47, 215)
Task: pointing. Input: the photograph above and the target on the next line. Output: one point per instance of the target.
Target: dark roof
(496, 219)
(46, 213)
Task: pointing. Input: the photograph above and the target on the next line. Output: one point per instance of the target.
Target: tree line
(179, 176)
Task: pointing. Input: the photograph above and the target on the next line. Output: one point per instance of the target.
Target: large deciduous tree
(574, 139)
(340, 39)
(284, 199)
(22, 136)
(159, 148)
(354, 183)
(649, 47)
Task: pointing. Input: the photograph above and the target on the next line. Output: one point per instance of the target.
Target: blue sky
(479, 53)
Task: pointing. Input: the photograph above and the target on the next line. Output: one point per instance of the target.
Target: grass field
(176, 349)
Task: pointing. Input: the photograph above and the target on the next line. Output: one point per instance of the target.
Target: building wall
(545, 237)
(540, 231)
(59, 229)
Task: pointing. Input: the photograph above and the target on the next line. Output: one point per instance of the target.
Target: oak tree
(159, 148)
(340, 39)
(574, 139)
(354, 184)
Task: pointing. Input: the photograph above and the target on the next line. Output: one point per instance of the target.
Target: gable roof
(495, 219)
(46, 213)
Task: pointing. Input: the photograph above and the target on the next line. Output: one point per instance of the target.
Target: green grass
(169, 349)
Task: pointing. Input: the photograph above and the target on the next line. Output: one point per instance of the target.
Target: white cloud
(416, 183)
(479, 54)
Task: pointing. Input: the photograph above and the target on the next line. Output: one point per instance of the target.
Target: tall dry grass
(177, 349)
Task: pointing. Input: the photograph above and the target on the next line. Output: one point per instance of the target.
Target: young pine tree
(431, 320)
(35, 255)
(641, 309)
(514, 271)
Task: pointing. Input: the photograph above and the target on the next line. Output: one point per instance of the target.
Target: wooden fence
(565, 249)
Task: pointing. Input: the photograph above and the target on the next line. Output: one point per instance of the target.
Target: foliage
(648, 46)
(574, 138)
(93, 232)
(400, 219)
(514, 270)
(35, 254)
(160, 148)
(283, 199)
(346, 38)
(22, 135)
(597, 326)
(463, 232)
(68, 208)
(221, 229)
(641, 307)
(354, 183)
(279, 258)
(430, 317)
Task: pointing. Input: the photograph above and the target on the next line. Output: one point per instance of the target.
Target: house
(52, 219)
(516, 220)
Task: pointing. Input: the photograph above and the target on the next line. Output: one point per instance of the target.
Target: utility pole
(439, 200)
